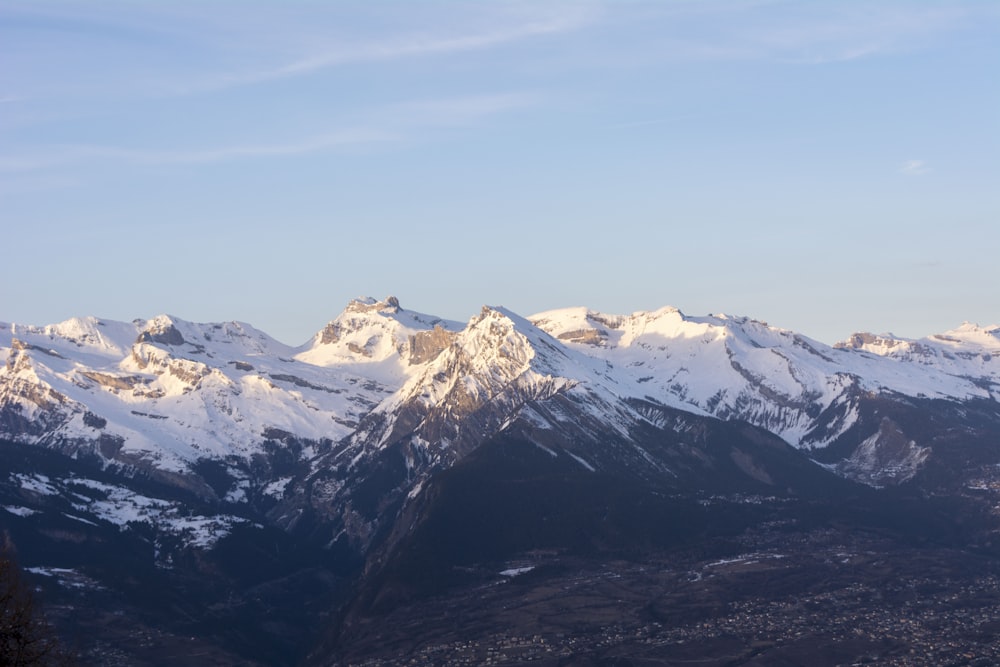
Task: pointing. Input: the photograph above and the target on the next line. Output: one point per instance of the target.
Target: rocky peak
(473, 385)
(388, 306)
(379, 331)
(18, 360)
(577, 325)
(161, 330)
(360, 313)
(499, 339)
(863, 340)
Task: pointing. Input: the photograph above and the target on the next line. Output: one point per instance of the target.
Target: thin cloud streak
(391, 50)
(393, 124)
(813, 35)
(282, 44)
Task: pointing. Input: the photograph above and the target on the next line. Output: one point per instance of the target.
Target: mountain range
(394, 453)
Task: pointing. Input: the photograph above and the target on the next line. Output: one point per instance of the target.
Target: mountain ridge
(228, 381)
(222, 460)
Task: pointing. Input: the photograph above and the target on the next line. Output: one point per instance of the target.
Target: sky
(827, 167)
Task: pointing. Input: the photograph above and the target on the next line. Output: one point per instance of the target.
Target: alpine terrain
(569, 488)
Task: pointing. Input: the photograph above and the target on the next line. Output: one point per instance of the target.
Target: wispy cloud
(806, 34)
(398, 47)
(392, 123)
(914, 168)
(119, 48)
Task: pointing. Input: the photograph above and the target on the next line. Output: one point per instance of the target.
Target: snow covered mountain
(165, 393)
(738, 368)
(175, 449)
(386, 394)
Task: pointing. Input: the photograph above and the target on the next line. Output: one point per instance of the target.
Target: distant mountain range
(172, 439)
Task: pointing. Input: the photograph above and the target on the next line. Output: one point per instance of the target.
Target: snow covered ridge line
(705, 360)
(165, 393)
(168, 392)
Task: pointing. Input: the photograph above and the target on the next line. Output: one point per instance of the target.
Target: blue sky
(824, 166)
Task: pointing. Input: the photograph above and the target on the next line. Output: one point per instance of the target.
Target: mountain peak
(969, 338)
(972, 333)
(367, 304)
(161, 329)
(501, 313)
(369, 330)
(864, 340)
